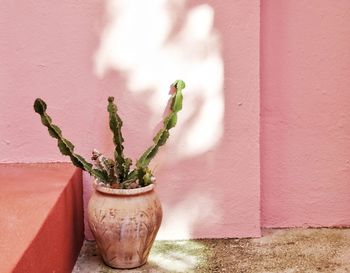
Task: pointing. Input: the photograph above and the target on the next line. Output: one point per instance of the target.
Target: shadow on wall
(152, 43)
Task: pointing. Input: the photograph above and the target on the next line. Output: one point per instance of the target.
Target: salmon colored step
(41, 217)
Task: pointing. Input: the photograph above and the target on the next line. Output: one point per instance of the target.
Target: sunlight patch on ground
(154, 42)
(179, 256)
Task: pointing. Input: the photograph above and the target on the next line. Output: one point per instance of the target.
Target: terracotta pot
(124, 223)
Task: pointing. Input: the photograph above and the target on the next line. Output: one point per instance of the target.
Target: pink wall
(305, 98)
(75, 54)
(209, 186)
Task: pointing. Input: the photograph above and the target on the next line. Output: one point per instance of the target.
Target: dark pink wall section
(305, 110)
(41, 210)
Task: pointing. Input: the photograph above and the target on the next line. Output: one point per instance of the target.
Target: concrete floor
(278, 251)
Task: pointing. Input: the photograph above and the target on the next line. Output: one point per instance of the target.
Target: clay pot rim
(101, 188)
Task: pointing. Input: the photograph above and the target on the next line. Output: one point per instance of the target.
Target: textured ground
(278, 251)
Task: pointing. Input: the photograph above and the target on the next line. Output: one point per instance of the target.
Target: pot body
(124, 223)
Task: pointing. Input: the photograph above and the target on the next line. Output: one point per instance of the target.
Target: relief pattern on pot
(125, 235)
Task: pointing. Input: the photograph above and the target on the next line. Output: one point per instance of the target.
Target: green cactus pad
(64, 145)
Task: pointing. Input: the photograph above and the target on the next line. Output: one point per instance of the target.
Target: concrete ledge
(41, 217)
(322, 250)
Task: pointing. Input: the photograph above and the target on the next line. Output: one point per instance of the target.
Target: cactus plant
(116, 172)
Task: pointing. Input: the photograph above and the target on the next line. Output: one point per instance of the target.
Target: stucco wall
(67, 53)
(75, 54)
(305, 98)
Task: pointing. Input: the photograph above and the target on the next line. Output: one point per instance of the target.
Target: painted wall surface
(73, 54)
(305, 98)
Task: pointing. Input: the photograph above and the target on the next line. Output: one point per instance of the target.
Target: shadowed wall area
(305, 98)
